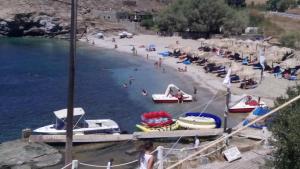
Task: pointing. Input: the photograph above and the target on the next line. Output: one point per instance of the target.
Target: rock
(33, 24)
(22, 154)
(21, 167)
(48, 160)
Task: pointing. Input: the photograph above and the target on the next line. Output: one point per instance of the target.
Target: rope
(101, 166)
(172, 147)
(66, 166)
(205, 104)
(117, 165)
(235, 132)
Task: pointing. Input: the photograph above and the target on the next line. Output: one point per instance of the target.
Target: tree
(200, 16)
(285, 128)
(281, 5)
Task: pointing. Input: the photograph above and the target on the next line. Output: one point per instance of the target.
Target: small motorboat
(257, 112)
(170, 95)
(171, 127)
(245, 104)
(199, 120)
(81, 126)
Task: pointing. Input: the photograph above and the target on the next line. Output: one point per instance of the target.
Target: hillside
(51, 17)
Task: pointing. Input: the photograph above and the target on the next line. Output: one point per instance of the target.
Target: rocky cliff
(52, 17)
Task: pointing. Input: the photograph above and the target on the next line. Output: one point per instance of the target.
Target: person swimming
(125, 85)
(144, 92)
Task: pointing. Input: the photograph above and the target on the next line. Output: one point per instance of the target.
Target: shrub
(147, 23)
(291, 39)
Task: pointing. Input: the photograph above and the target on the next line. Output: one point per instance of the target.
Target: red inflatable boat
(157, 119)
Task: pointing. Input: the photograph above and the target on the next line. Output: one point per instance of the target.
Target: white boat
(81, 126)
(170, 95)
(245, 104)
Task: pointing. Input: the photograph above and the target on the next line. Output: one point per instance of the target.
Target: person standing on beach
(195, 89)
(147, 56)
(146, 159)
(159, 62)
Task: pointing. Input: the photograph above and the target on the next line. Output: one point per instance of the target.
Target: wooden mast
(71, 83)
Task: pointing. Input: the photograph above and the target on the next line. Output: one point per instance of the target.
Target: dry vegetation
(256, 2)
(285, 23)
(294, 11)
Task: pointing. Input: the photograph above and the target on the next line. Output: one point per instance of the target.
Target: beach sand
(268, 90)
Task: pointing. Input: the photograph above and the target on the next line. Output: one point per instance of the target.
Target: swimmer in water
(125, 85)
(144, 92)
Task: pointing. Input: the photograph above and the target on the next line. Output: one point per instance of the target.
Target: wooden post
(160, 157)
(226, 108)
(75, 164)
(261, 75)
(26, 133)
(72, 52)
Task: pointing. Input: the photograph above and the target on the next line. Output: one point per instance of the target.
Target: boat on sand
(170, 95)
(81, 126)
(245, 104)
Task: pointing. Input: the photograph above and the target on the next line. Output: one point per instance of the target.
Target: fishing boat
(81, 126)
(157, 121)
(245, 104)
(199, 120)
(170, 95)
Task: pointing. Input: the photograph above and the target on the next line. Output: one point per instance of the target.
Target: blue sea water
(33, 84)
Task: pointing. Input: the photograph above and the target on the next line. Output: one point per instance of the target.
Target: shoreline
(268, 90)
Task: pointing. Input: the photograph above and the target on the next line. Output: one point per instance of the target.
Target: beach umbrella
(219, 60)
(201, 54)
(290, 63)
(236, 67)
(174, 46)
(202, 40)
(247, 72)
(186, 49)
(273, 57)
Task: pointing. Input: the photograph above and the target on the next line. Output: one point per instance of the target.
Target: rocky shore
(24, 155)
(33, 24)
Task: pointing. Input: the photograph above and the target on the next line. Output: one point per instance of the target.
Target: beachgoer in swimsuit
(180, 96)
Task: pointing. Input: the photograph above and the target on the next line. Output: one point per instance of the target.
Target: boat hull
(188, 125)
(241, 110)
(105, 126)
(218, 120)
(169, 101)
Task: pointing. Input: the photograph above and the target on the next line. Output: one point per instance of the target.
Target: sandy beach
(268, 90)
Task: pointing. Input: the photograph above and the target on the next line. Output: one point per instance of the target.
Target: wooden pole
(160, 157)
(72, 52)
(226, 108)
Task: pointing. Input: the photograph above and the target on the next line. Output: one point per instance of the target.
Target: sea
(34, 80)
